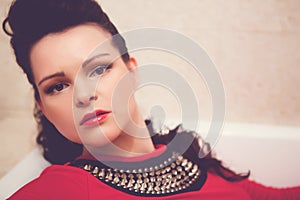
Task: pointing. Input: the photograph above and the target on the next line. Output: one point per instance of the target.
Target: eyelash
(104, 68)
(50, 90)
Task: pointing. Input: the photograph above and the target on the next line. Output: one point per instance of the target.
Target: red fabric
(67, 182)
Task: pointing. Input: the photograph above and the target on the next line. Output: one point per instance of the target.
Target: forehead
(59, 51)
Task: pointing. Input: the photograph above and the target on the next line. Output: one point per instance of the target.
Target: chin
(99, 138)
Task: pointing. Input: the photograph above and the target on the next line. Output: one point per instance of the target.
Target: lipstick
(94, 118)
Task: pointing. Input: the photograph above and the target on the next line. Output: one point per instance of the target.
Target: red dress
(69, 182)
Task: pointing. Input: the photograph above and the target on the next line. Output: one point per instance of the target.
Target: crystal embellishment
(163, 179)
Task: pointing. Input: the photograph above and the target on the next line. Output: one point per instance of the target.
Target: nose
(85, 100)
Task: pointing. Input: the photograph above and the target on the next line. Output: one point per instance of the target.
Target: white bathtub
(270, 152)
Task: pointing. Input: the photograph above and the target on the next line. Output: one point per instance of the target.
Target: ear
(132, 64)
(40, 105)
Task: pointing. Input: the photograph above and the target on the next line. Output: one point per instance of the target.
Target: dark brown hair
(31, 20)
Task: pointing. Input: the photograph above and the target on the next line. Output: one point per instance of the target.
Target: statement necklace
(176, 174)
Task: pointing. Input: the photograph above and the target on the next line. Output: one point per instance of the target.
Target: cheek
(61, 116)
(58, 110)
(107, 86)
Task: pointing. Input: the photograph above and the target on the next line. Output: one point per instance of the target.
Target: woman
(94, 150)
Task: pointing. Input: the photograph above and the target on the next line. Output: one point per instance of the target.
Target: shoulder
(217, 187)
(260, 191)
(56, 181)
(59, 174)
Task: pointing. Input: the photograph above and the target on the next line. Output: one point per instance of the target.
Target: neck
(134, 148)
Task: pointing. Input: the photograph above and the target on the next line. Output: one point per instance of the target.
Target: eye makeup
(99, 70)
(56, 88)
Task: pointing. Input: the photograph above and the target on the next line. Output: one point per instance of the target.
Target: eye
(99, 70)
(56, 88)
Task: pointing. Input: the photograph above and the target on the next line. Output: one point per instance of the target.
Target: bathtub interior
(269, 152)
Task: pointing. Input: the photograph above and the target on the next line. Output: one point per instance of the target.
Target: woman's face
(59, 62)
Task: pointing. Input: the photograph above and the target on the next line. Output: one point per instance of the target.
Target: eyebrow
(58, 74)
(85, 63)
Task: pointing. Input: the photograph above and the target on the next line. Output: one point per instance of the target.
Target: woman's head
(67, 80)
(51, 40)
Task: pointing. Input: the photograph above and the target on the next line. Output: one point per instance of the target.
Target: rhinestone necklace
(175, 175)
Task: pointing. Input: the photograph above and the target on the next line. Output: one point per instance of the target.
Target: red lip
(94, 118)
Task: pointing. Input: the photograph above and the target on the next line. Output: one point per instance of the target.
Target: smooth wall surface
(255, 46)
